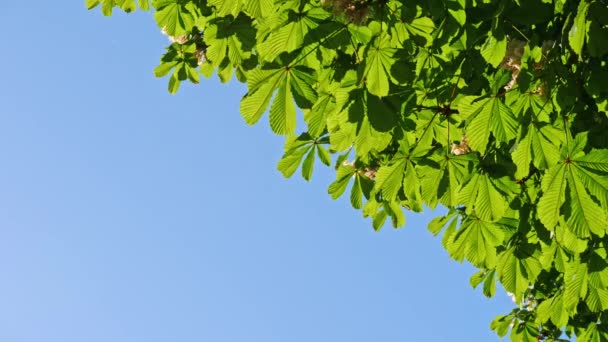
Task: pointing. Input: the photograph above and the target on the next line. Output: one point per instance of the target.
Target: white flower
(177, 39)
(462, 148)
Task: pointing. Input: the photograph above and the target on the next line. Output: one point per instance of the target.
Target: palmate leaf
(295, 149)
(567, 189)
(302, 149)
(422, 27)
(390, 79)
(256, 101)
(289, 35)
(593, 333)
(476, 240)
(552, 309)
(361, 187)
(482, 196)
(229, 38)
(537, 105)
(485, 116)
(369, 139)
(516, 272)
(539, 146)
(443, 184)
(255, 8)
(262, 87)
(316, 117)
(343, 177)
(524, 332)
(175, 16)
(389, 179)
(568, 242)
(585, 215)
(355, 125)
(378, 62)
(380, 211)
(182, 59)
(501, 324)
(224, 8)
(439, 222)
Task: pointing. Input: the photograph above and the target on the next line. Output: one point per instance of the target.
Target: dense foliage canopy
(494, 109)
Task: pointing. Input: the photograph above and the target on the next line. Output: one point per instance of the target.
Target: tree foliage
(494, 109)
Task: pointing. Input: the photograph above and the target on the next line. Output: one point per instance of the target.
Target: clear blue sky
(130, 215)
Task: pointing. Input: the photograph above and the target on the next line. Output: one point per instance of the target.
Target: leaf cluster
(494, 109)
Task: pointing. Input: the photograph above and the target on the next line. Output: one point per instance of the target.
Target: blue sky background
(128, 214)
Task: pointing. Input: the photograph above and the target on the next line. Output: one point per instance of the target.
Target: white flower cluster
(462, 148)
(368, 172)
(356, 11)
(183, 39)
(512, 60)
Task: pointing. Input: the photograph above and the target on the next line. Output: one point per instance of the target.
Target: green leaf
(580, 176)
(575, 284)
(378, 62)
(411, 188)
(487, 116)
(596, 160)
(476, 241)
(539, 146)
(439, 222)
(446, 181)
(283, 110)
(489, 284)
(516, 273)
(459, 15)
(585, 215)
(576, 35)
(389, 179)
(597, 294)
(344, 175)
(481, 196)
(289, 35)
(394, 210)
(554, 189)
(308, 164)
(323, 154)
(379, 220)
(144, 4)
(494, 49)
(174, 17)
(317, 116)
(164, 69)
(174, 83)
(256, 101)
(92, 3)
(502, 324)
(592, 333)
(295, 149)
(356, 193)
(423, 28)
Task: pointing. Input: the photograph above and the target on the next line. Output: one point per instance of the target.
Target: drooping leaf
(487, 116)
(576, 35)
